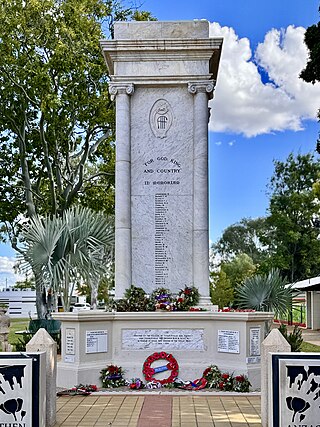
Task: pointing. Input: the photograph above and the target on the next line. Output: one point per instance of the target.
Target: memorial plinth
(162, 76)
(91, 340)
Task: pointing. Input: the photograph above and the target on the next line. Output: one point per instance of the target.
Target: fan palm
(268, 292)
(60, 251)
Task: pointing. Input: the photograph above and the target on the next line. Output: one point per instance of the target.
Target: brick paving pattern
(159, 411)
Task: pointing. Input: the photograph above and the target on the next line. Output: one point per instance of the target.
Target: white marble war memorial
(162, 77)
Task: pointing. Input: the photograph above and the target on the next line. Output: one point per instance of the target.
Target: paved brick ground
(159, 411)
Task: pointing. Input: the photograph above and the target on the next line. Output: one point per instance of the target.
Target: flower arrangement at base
(135, 299)
(172, 366)
(112, 377)
(187, 298)
(225, 381)
(87, 387)
(136, 384)
(162, 299)
(241, 384)
(153, 385)
(81, 389)
(213, 376)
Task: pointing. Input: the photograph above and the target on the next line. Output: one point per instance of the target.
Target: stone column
(201, 91)
(123, 280)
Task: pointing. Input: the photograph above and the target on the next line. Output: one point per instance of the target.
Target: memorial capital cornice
(205, 86)
(120, 88)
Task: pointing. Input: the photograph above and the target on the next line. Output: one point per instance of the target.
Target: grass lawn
(309, 348)
(17, 325)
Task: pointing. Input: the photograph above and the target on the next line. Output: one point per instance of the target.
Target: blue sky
(261, 110)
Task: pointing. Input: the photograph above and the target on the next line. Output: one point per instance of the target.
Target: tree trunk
(40, 297)
(94, 294)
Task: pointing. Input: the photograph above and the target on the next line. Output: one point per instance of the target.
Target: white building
(21, 303)
(311, 287)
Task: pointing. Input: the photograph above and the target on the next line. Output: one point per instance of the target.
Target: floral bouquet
(162, 299)
(87, 387)
(111, 377)
(213, 376)
(226, 382)
(81, 389)
(187, 298)
(241, 384)
(136, 384)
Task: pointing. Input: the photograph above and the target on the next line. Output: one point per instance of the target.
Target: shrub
(294, 338)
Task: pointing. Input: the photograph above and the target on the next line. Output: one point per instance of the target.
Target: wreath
(172, 366)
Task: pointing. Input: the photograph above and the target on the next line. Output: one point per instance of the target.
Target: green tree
(65, 250)
(267, 292)
(238, 269)
(56, 116)
(221, 291)
(28, 283)
(292, 239)
(243, 237)
(230, 276)
(311, 73)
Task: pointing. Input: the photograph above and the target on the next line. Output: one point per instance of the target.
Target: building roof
(312, 284)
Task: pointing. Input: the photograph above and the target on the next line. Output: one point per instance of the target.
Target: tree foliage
(293, 239)
(56, 116)
(243, 237)
(221, 291)
(311, 73)
(64, 250)
(267, 292)
(231, 275)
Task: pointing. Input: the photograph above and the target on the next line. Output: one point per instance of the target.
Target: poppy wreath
(172, 366)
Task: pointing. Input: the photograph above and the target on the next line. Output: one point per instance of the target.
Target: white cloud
(6, 264)
(7, 275)
(218, 143)
(243, 103)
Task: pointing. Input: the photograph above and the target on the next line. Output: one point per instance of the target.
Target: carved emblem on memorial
(161, 118)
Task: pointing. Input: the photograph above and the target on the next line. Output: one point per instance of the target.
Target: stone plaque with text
(96, 341)
(162, 339)
(162, 190)
(228, 341)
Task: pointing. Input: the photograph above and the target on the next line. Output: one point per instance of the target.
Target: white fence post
(42, 341)
(273, 343)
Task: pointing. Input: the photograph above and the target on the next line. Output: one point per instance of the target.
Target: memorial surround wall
(92, 340)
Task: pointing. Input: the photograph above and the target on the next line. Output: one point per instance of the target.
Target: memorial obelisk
(162, 77)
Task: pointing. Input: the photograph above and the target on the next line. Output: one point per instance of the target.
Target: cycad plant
(63, 250)
(267, 292)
